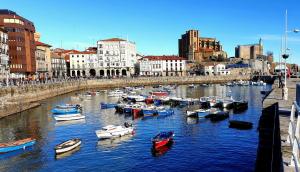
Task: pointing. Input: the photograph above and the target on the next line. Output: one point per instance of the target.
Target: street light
(285, 55)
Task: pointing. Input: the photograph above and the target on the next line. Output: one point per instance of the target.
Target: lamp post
(285, 55)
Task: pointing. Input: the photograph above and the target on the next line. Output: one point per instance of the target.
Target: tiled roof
(83, 52)
(164, 58)
(38, 43)
(113, 40)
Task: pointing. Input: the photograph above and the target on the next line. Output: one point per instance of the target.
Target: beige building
(192, 47)
(250, 51)
(46, 49)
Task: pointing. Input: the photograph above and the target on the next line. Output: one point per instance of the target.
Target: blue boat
(149, 112)
(165, 112)
(20, 144)
(157, 102)
(65, 111)
(108, 105)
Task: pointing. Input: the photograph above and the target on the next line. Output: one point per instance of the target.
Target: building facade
(46, 48)
(58, 66)
(251, 51)
(83, 64)
(21, 43)
(195, 48)
(215, 69)
(116, 57)
(40, 59)
(4, 58)
(162, 66)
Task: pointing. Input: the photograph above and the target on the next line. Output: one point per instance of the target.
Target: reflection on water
(66, 154)
(73, 122)
(115, 142)
(198, 145)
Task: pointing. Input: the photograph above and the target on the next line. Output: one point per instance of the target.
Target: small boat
(116, 93)
(16, 145)
(120, 107)
(149, 100)
(240, 124)
(157, 102)
(204, 102)
(219, 116)
(227, 103)
(112, 131)
(202, 112)
(149, 111)
(240, 105)
(192, 86)
(68, 117)
(191, 113)
(215, 102)
(162, 139)
(67, 146)
(165, 112)
(64, 111)
(160, 93)
(69, 106)
(161, 150)
(107, 105)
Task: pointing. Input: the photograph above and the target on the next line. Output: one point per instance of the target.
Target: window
(100, 45)
(100, 52)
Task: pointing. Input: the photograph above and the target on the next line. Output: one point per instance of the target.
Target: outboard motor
(127, 124)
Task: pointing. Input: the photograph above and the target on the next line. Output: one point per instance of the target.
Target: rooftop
(113, 40)
(38, 43)
(8, 12)
(164, 57)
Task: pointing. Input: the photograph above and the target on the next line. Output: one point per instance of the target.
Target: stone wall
(25, 97)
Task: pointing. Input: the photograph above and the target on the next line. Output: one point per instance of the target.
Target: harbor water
(199, 144)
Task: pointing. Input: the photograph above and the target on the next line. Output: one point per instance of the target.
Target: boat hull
(17, 147)
(67, 149)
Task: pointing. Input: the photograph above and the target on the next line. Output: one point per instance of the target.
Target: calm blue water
(200, 145)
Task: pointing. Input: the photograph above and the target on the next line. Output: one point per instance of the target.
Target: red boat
(149, 100)
(136, 112)
(162, 139)
(160, 93)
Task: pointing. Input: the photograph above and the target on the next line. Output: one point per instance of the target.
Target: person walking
(280, 80)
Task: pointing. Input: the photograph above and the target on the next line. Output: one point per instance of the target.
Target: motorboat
(204, 102)
(215, 102)
(240, 105)
(192, 86)
(65, 111)
(112, 131)
(68, 117)
(67, 146)
(149, 111)
(160, 93)
(227, 103)
(116, 93)
(162, 139)
(203, 112)
(107, 105)
(136, 98)
(165, 112)
(240, 124)
(16, 145)
(68, 106)
(218, 116)
(191, 113)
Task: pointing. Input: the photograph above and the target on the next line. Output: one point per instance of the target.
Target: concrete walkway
(284, 116)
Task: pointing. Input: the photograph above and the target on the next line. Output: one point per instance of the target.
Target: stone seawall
(18, 99)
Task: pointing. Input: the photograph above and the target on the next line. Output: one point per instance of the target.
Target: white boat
(191, 113)
(116, 93)
(67, 146)
(112, 131)
(68, 117)
(227, 103)
(202, 112)
(192, 86)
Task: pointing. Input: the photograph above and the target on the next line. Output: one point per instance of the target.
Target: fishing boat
(112, 131)
(240, 124)
(65, 111)
(215, 102)
(227, 103)
(162, 139)
(204, 102)
(67, 146)
(16, 145)
(107, 105)
(203, 112)
(68, 117)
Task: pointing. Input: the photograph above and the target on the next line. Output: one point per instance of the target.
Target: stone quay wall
(17, 99)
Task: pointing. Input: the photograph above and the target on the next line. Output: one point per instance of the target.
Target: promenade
(16, 99)
(284, 115)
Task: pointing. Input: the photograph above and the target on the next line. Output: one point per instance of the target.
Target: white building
(58, 66)
(162, 66)
(83, 64)
(4, 58)
(216, 69)
(116, 57)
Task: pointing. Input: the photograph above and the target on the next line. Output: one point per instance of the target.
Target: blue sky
(156, 25)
